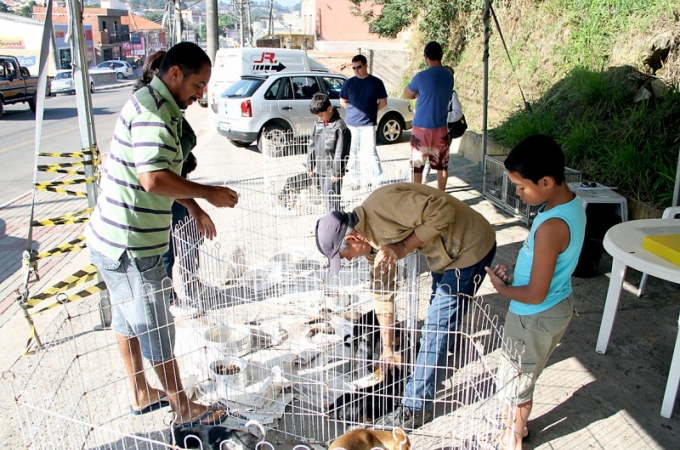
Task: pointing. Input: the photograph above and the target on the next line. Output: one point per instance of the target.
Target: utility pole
(168, 18)
(240, 22)
(270, 30)
(178, 21)
(249, 26)
(211, 28)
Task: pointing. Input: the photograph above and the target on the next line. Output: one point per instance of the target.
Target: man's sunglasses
(357, 67)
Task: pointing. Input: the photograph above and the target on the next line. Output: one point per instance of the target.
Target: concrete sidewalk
(583, 401)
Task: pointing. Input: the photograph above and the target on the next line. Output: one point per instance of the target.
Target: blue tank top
(574, 216)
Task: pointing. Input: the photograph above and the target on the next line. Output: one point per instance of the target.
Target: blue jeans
(331, 193)
(139, 302)
(443, 317)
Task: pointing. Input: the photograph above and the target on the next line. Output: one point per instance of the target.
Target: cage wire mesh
(500, 190)
(261, 329)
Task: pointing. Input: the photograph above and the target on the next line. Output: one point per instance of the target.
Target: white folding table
(624, 243)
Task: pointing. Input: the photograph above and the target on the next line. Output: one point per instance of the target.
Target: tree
(154, 16)
(4, 8)
(224, 23)
(434, 17)
(27, 10)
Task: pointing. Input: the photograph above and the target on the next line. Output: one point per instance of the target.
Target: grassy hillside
(585, 67)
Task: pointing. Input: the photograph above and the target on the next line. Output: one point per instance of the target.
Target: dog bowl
(229, 373)
(230, 340)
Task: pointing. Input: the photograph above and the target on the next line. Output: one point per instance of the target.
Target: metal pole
(485, 88)
(676, 191)
(88, 137)
(178, 21)
(241, 22)
(167, 21)
(270, 29)
(249, 27)
(211, 28)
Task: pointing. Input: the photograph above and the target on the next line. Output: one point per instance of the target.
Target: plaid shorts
(430, 144)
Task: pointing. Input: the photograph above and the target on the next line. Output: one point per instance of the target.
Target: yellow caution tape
(97, 288)
(65, 182)
(74, 245)
(80, 277)
(65, 155)
(66, 219)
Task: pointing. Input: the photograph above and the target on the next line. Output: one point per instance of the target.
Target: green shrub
(632, 146)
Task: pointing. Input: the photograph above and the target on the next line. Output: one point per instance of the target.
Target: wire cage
(501, 191)
(262, 330)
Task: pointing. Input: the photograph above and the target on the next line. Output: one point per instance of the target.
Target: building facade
(146, 37)
(108, 30)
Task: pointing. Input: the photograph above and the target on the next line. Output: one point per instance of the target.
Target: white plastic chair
(668, 213)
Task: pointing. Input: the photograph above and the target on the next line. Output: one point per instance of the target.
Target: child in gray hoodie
(328, 150)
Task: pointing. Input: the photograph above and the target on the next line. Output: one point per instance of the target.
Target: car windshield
(243, 88)
(62, 76)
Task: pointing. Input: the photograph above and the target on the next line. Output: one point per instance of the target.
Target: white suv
(279, 103)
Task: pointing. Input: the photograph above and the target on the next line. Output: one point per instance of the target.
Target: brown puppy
(363, 439)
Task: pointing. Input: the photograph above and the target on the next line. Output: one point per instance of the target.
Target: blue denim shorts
(139, 301)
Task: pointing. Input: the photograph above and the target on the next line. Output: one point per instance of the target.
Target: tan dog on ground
(363, 439)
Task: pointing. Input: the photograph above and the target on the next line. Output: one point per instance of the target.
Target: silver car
(123, 69)
(279, 103)
(62, 83)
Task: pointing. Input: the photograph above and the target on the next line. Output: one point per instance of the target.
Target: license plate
(225, 126)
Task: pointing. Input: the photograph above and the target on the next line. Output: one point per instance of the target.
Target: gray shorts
(533, 338)
(139, 301)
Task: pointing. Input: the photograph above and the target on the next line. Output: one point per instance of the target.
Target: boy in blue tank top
(540, 290)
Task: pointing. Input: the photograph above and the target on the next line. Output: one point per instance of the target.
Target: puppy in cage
(458, 243)
(364, 439)
(542, 304)
(291, 196)
(381, 386)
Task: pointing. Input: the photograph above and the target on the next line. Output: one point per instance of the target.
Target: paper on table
(655, 231)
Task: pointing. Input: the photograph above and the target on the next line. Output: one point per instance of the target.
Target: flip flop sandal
(161, 403)
(199, 420)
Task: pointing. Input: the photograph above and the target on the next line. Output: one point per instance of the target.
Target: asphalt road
(60, 133)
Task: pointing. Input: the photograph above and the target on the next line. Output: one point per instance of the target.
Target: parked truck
(16, 84)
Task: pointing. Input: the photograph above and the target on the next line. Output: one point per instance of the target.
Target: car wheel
(2, 106)
(73, 92)
(31, 103)
(239, 144)
(390, 129)
(274, 140)
(92, 88)
(120, 75)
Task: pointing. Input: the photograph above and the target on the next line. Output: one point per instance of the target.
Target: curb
(108, 87)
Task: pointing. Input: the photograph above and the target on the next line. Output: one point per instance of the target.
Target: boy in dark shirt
(329, 148)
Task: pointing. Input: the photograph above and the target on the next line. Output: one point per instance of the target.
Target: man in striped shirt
(130, 227)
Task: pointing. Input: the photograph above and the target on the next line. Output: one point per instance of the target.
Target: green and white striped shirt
(146, 138)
